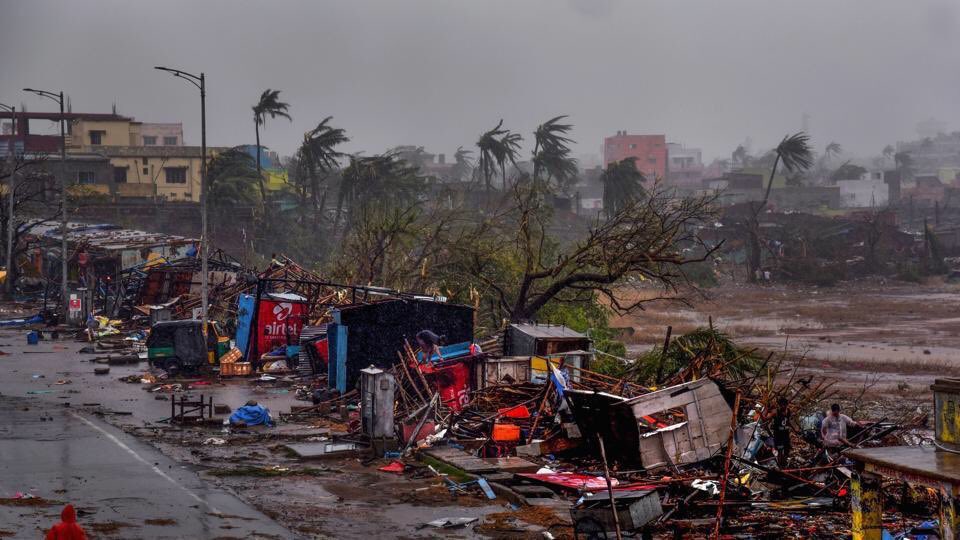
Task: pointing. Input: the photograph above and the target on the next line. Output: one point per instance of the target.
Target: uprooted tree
(519, 261)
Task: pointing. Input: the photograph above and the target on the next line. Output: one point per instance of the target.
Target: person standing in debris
(67, 529)
(780, 428)
(429, 344)
(834, 428)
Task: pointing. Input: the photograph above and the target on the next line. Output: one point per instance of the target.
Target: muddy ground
(890, 336)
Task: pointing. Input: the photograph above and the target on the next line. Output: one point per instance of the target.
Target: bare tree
(515, 259)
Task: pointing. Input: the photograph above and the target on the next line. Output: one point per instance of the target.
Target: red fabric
(67, 529)
(395, 467)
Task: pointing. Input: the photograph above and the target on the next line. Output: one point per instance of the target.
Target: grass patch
(452, 472)
(265, 472)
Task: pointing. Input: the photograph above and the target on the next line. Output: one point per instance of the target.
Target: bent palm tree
(551, 152)
(794, 152)
(268, 105)
(232, 179)
(463, 164)
(496, 147)
(320, 155)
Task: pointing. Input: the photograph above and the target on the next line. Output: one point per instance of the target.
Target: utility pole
(10, 222)
(200, 82)
(58, 97)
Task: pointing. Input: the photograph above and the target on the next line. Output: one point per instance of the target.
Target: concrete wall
(863, 193)
(161, 131)
(151, 170)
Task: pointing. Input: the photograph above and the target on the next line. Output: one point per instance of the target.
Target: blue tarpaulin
(251, 415)
(20, 322)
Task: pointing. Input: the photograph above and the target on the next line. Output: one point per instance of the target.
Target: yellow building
(149, 160)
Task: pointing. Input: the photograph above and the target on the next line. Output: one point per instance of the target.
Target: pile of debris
(726, 445)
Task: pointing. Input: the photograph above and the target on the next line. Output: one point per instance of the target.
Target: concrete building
(148, 160)
(868, 191)
(650, 152)
(684, 165)
(735, 188)
(161, 134)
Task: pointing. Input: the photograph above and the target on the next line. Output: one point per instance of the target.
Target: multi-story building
(148, 160)
(684, 165)
(650, 152)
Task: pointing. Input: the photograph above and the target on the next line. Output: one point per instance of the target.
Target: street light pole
(10, 222)
(58, 97)
(200, 82)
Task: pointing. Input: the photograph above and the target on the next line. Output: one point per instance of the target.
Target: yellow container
(946, 411)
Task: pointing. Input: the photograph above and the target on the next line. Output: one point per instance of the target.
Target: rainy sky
(707, 73)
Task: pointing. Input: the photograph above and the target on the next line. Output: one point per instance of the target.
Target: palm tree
(497, 146)
(268, 105)
(232, 178)
(833, 150)
(382, 179)
(621, 184)
(488, 146)
(463, 164)
(319, 154)
(551, 152)
(795, 154)
(889, 151)
(508, 150)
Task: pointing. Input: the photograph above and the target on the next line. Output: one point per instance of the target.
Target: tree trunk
(263, 190)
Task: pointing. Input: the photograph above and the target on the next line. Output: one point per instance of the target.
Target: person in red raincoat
(67, 529)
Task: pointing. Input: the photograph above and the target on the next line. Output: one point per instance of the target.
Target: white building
(868, 191)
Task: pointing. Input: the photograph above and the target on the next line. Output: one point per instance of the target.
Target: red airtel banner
(278, 324)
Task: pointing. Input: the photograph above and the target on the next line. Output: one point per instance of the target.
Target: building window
(170, 141)
(149, 140)
(86, 177)
(652, 161)
(175, 175)
(120, 175)
(96, 137)
(146, 171)
(633, 147)
(144, 161)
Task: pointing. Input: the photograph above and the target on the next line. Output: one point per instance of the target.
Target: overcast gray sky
(436, 73)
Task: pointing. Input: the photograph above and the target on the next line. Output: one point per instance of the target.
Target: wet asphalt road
(64, 453)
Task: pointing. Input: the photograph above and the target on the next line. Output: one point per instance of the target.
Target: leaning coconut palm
(383, 179)
(496, 147)
(621, 185)
(232, 179)
(833, 150)
(508, 150)
(462, 164)
(551, 153)
(319, 156)
(795, 154)
(268, 105)
(488, 146)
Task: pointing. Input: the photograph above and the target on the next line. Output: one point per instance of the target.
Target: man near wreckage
(833, 430)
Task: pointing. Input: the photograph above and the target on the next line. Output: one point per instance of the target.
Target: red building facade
(650, 151)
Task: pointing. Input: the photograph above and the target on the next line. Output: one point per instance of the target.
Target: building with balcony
(684, 165)
(147, 160)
